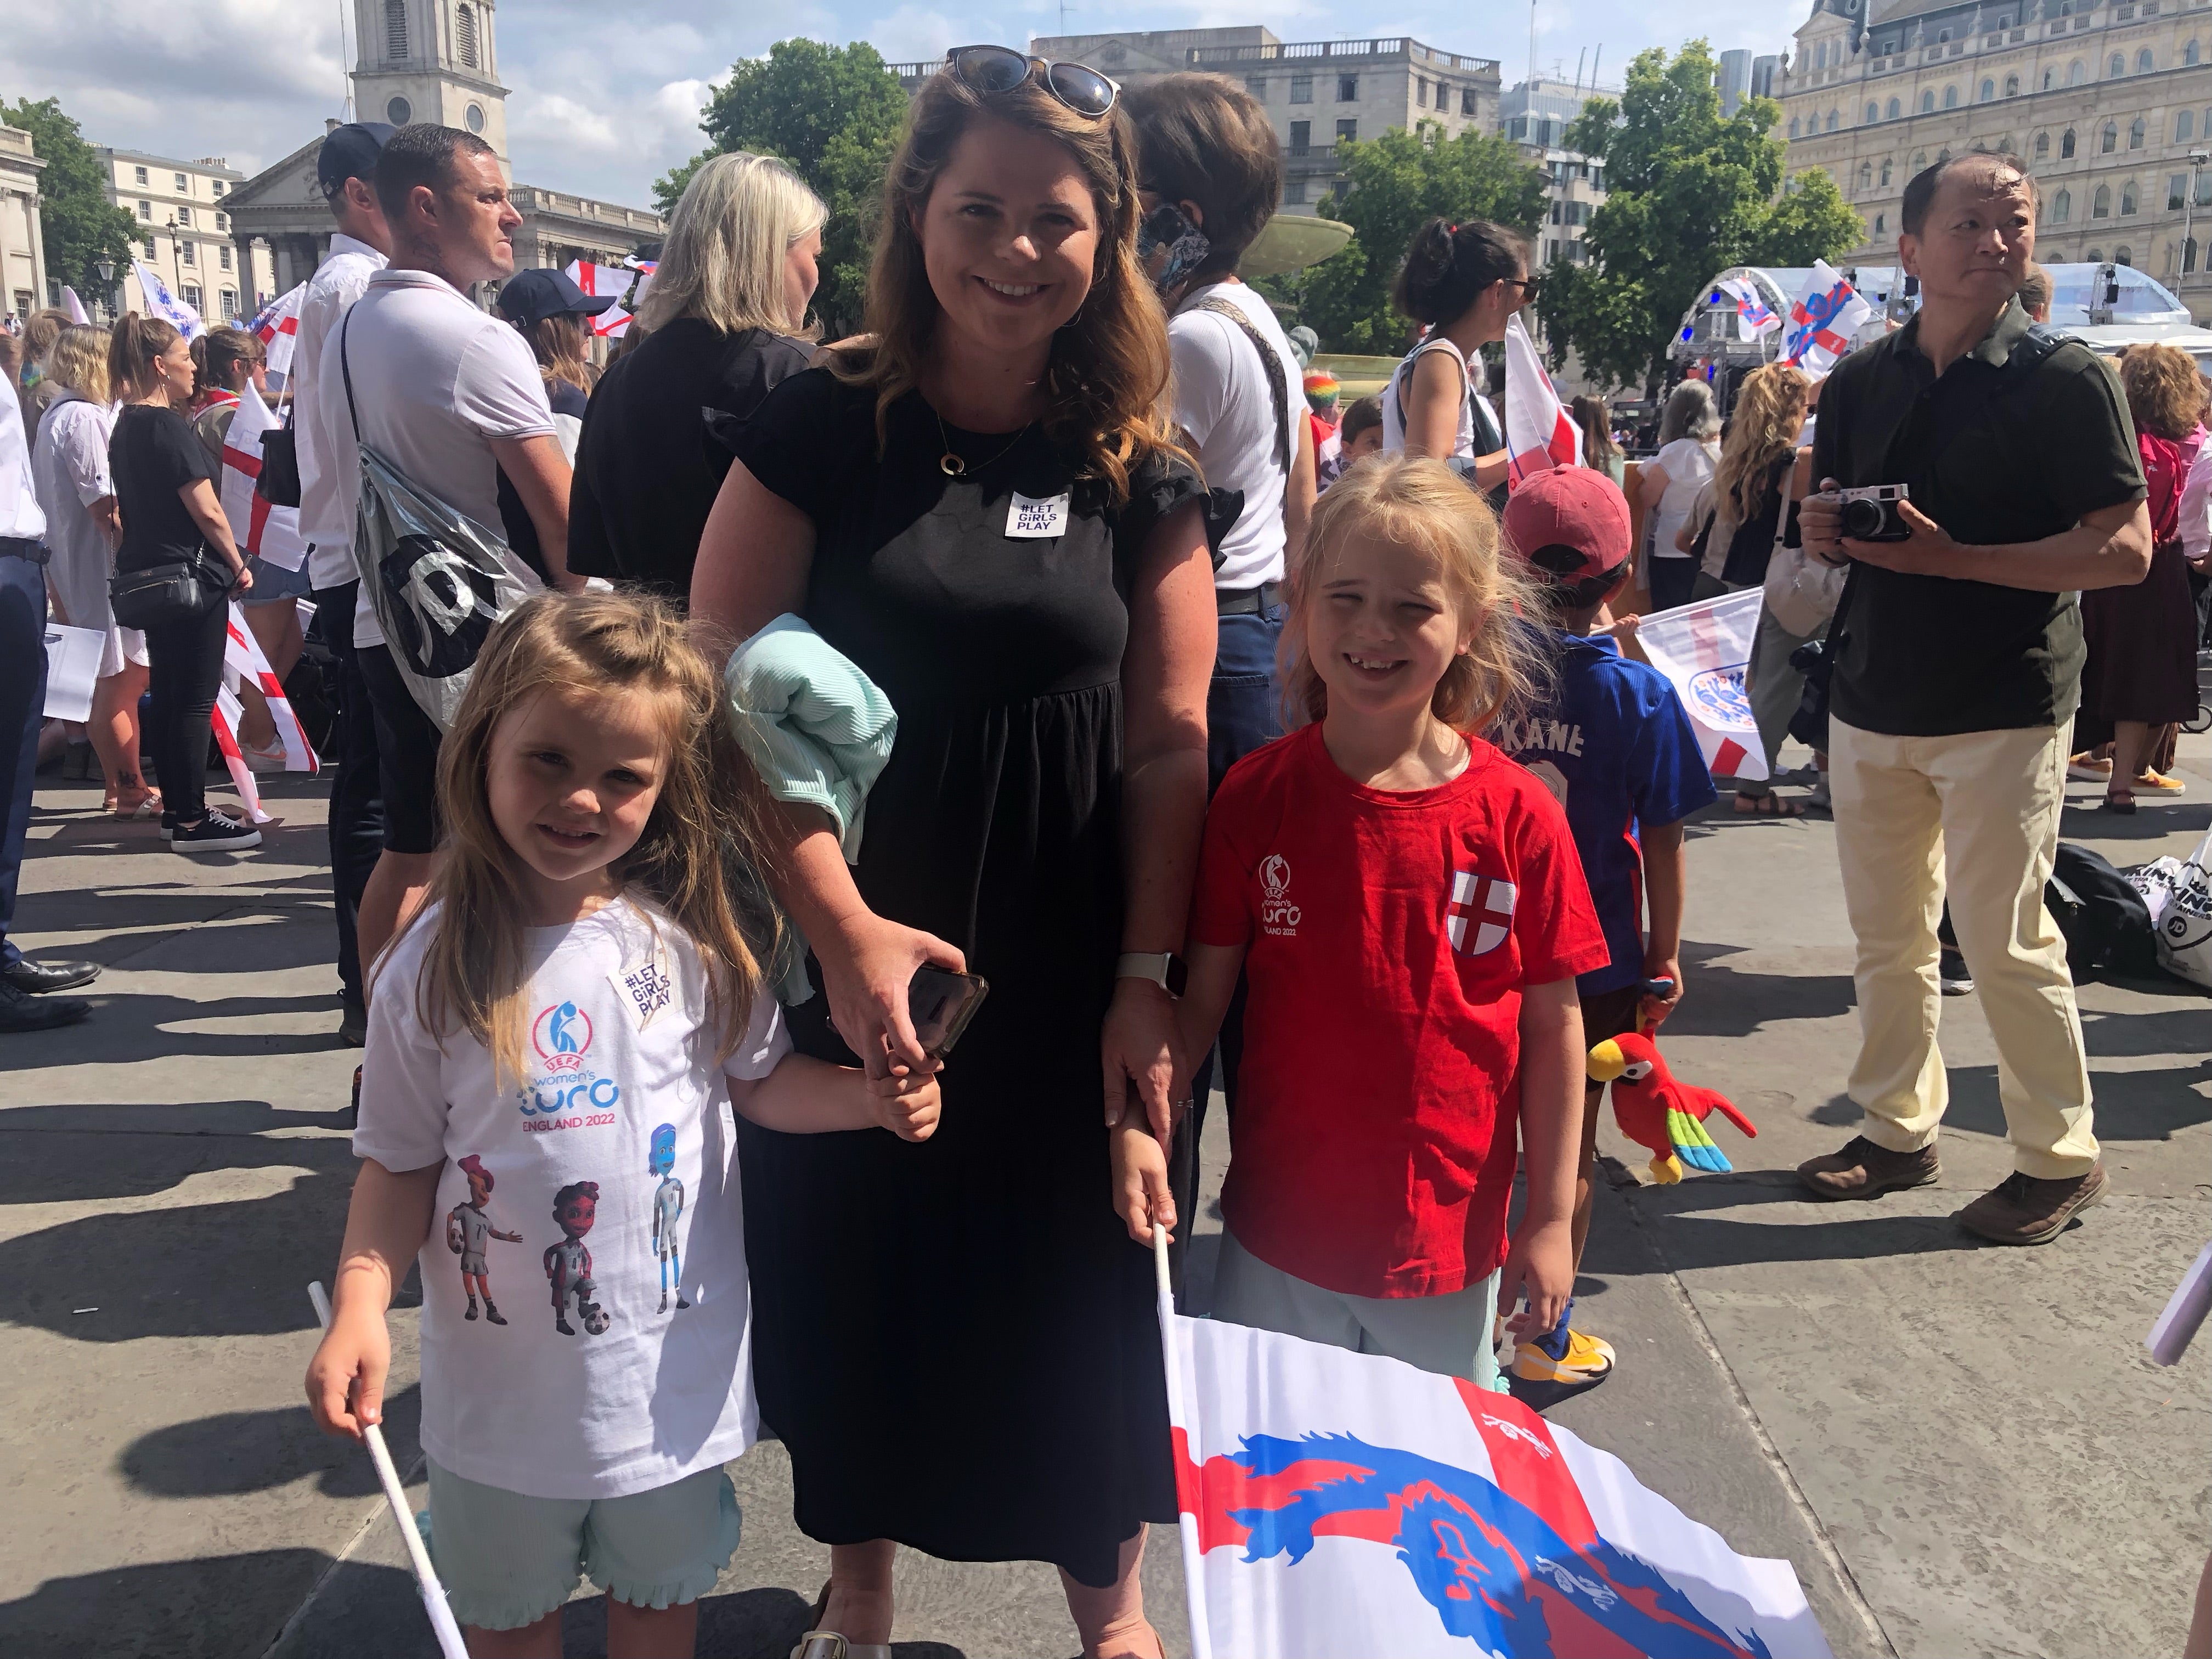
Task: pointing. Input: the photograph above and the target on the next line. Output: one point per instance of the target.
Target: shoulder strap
(1269, 366)
(345, 367)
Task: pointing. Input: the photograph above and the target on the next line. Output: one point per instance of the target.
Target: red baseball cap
(1570, 522)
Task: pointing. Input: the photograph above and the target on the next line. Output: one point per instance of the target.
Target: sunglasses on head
(992, 70)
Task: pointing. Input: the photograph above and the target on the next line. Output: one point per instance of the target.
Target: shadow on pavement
(2085, 821)
(2143, 1105)
(127, 1026)
(1859, 1232)
(76, 1154)
(235, 1453)
(1721, 1000)
(214, 1606)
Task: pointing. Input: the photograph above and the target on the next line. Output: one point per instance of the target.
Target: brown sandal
(1768, 805)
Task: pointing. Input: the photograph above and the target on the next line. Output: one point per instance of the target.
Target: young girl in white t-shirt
(555, 1043)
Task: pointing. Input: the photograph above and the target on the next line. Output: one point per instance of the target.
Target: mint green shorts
(507, 1560)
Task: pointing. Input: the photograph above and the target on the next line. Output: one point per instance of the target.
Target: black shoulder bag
(278, 483)
(1816, 659)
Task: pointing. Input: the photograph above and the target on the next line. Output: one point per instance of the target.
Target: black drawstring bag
(278, 483)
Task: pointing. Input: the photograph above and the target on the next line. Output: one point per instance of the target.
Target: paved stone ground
(1963, 1451)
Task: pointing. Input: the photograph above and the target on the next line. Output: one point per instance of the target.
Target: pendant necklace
(950, 463)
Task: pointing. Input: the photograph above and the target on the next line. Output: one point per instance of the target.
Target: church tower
(430, 61)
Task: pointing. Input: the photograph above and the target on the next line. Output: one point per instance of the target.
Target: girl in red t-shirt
(1407, 908)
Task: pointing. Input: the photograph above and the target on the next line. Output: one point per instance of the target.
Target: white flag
(1341, 1505)
(75, 307)
(1753, 316)
(256, 524)
(1703, 648)
(1540, 434)
(160, 302)
(242, 656)
(277, 325)
(614, 322)
(224, 722)
(1823, 320)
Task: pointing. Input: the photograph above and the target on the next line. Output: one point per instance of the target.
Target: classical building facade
(427, 61)
(2108, 104)
(1316, 92)
(22, 251)
(183, 210)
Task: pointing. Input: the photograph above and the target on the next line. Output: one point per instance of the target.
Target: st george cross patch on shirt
(1485, 901)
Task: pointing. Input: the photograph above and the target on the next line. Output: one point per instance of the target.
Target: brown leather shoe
(2023, 1209)
(1862, 1169)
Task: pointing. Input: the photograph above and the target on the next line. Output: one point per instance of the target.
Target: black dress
(957, 1341)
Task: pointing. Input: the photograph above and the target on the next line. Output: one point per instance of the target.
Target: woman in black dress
(981, 509)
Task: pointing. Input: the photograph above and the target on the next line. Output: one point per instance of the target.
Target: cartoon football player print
(568, 1264)
(668, 1211)
(467, 1229)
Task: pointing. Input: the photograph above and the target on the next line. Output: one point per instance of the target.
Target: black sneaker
(217, 832)
(1951, 975)
(169, 826)
(352, 1028)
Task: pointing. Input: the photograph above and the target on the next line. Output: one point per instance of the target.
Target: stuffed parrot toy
(1653, 1111)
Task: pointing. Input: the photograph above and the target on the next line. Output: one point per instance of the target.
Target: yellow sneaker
(2149, 782)
(1588, 1360)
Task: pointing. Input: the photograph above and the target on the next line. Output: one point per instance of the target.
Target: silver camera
(1871, 514)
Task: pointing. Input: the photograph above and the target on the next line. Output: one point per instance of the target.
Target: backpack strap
(345, 365)
(1269, 366)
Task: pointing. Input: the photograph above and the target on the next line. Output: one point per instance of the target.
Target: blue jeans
(1243, 712)
(23, 711)
(356, 823)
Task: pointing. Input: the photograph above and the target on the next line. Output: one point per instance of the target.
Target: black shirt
(1998, 449)
(514, 517)
(152, 455)
(1752, 544)
(647, 468)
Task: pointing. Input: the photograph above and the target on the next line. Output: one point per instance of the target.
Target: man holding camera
(1955, 681)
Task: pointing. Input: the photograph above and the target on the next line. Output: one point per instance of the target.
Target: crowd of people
(1391, 834)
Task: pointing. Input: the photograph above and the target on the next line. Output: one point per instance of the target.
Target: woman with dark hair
(2141, 672)
(170, 515)
(1598, 450)
(225, 362)
(1466, 282)
(981, 505)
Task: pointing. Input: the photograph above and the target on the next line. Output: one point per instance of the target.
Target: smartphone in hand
(941, 1002)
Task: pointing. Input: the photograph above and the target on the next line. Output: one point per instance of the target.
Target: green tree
(1391, 184)
(833, 113)
(1689, 192)
(77, 222)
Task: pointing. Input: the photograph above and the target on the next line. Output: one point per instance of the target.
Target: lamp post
(2197, 158)
(106, 269)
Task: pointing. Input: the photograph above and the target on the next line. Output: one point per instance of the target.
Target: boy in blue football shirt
(1615, 746)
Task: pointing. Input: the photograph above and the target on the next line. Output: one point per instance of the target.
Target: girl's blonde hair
(1770, 413)
(1422, 503)
(723, 259)
(1108, 370)
(79, 362)
(696, 861)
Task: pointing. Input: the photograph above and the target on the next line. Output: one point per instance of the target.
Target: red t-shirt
(1390, 934)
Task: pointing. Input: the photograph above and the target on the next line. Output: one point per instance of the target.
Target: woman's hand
(241, 579)
(345, 1379)
(1142, 1048)
(869, 963)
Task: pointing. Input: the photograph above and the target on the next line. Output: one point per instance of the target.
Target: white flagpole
(426, 1577)
(1183, 1412)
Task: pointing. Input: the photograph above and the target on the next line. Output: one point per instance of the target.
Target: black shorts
(406, 754)
(1605, 1014)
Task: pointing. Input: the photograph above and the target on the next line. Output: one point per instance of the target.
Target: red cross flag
(276, 325)
(1486, 901)
(1540, 434)
(271, 532)
(614, 322)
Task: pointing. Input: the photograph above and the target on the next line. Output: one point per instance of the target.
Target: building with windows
(1317, 93)
(185, 233)
(2109, 105)
(427, 61)
(1535, 115)
(22, 250)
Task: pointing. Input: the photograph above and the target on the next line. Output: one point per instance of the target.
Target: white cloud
(915, 34)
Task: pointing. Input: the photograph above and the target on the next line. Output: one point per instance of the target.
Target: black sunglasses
(992, 70)
(1529, 286)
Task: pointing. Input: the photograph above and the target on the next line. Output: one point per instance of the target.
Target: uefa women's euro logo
(563, 1036)
(1720, 698)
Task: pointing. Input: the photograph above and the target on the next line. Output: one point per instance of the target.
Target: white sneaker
(270, 759)
(218, 832)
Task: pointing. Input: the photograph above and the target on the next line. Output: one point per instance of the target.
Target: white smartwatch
(1163, 968)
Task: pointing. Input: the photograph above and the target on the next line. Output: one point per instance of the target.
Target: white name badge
(1029, 519)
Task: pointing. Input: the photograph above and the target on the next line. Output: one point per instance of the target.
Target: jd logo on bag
(443, 604)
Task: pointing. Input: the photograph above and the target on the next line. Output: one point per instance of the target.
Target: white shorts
(1448, 1334)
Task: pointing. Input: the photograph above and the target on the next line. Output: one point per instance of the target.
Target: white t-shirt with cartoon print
(610, 1350)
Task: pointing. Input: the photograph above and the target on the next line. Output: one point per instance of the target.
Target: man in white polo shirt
(345, 169)
(452, 397)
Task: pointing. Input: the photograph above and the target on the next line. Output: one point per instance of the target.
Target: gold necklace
(950, 463)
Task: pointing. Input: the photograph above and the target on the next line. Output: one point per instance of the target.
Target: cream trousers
(1977, 813)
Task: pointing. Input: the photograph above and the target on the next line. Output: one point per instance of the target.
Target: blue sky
(604, 97)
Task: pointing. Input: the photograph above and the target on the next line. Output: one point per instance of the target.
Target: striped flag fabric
(277, 325)
(257, 524)
(1753, 316)
(1540, 434)
(1341, 1505)
(614, 322)
(223, 722)
(1823, 320)
(1704, 649)
(160, 302)
(243, 657)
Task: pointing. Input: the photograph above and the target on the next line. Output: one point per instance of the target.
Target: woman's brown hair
(1596, 422)
(561, 344)
(1108, 365)
(1448, 266)
(2165, 394)
(1422, 503)
(131, 348)
(218, 353)
(699, 858)
(1204, 139)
